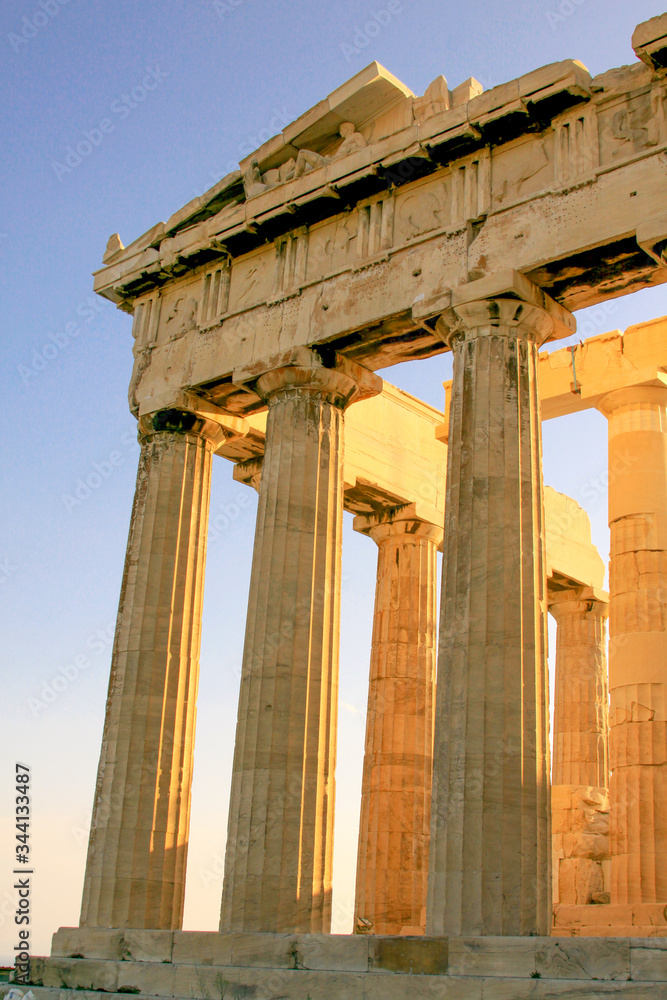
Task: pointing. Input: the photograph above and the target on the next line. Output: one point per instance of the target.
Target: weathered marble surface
(394, 826)
(209, 966)
(547, 174)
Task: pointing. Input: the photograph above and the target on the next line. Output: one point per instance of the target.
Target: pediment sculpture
(256, 182)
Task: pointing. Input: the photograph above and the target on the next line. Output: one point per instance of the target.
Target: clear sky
(189, 88)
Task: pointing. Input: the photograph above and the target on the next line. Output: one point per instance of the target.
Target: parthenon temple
(381, 227)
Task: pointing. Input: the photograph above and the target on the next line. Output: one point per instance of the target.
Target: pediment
(366, 97)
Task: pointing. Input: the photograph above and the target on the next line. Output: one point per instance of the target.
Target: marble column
(392, 862)
(638, 641)
(581, 717)
(489, 869)
(135, 872)
(280, 836)
(580, 777)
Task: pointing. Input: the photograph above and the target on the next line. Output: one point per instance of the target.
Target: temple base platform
(197, 965)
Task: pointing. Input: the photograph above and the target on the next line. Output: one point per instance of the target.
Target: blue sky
(169, 96)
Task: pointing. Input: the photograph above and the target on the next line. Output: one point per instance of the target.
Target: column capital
(186, 413)
(496, 317)
(398, 521)
(506, 302)
(652, 394)
(579, 600)
(334, 386)
(326, 375)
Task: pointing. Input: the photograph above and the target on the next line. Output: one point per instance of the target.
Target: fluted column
(490, 827)
(280, 837)
(392, 862)
(580, 778)
(638, 641)
(135, 872)
(581, 717)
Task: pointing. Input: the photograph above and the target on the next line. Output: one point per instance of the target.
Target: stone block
(296, 984)
(154, 978)
(148, 946)
(235, 983)
(586, 845)
(492, 956)
(400, 987)
(205, 981)
(336, 952)
(551, 989)
(583, 958)
(648, 959)
(418, 955)
(567, 916)
(578, 879)
(37, 970)
(649, 914)
(263, 951)
(87, 942)
(202, 948)
(78, 974)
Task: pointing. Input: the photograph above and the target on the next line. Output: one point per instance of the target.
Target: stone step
(234, 983)
(212, 966)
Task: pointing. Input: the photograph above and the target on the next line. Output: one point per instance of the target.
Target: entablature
(339, 233)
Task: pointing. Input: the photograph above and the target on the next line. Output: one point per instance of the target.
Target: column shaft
(280, 837)
(581, 716)
(638, 642)
(135, 873)
(580, 780)
(490, 828)
(392, 863)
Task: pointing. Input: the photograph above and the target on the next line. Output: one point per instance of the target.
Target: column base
(212, 966)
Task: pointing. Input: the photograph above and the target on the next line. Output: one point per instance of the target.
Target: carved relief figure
(253, 181)
(182, 317)
(309, 160)
(420, 213)
(256, 183)
(637, 126)
(535, 159)
(632, 127)
(278, 175)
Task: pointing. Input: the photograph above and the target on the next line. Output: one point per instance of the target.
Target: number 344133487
(22, 811)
